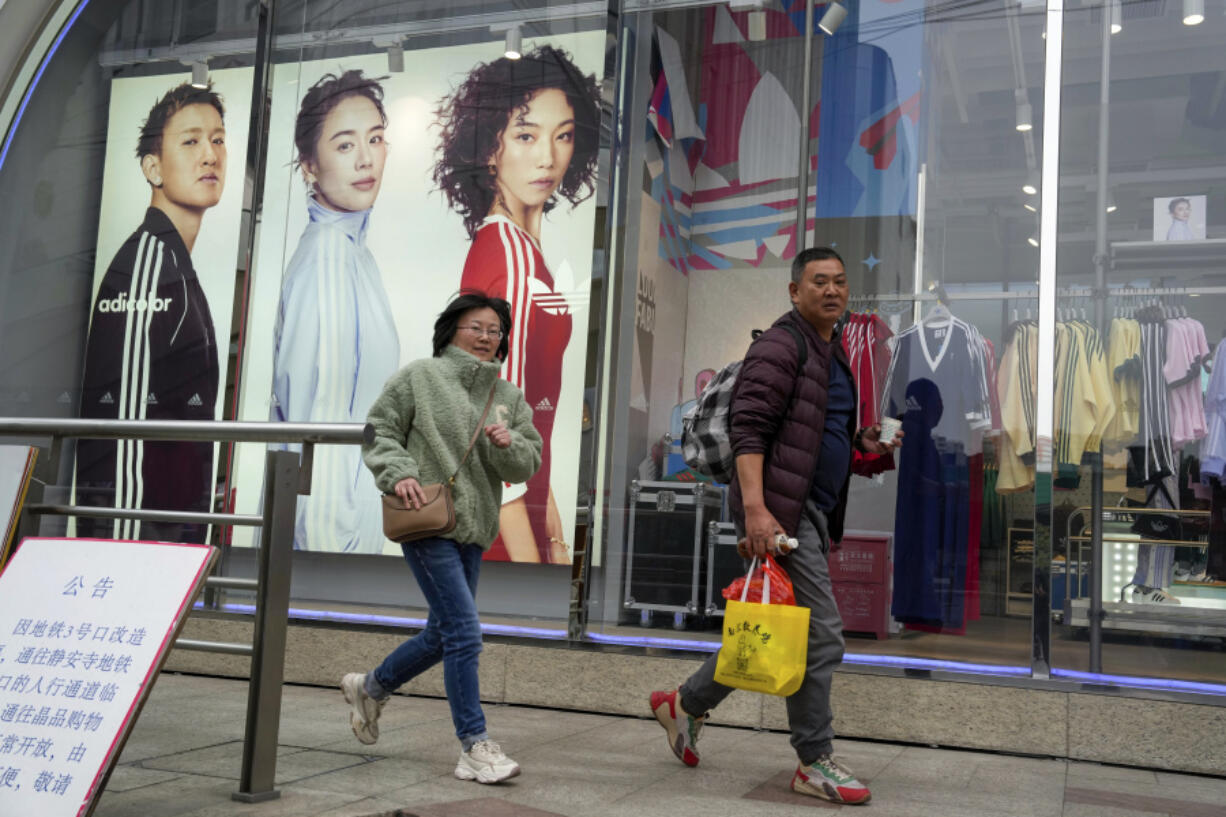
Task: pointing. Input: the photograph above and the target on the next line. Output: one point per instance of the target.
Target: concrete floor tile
(1084, 771)
(127, 778)
(1083, 810)
(217, 760)
(172, 798)
(930, 767)
(146, 744)
(866, 760)
(293, 802)
(302, 767)
(362, 808)
(524, 727)
(446, 788)
(376, 777)
(1191, 794)
(1174, 784)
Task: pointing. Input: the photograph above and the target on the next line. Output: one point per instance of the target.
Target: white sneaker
(1155, 595)
(486, 763)
(363, 709)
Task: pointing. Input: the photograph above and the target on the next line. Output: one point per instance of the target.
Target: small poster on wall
(1179, 218)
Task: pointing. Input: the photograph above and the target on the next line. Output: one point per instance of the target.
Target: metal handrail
(287, 475)
(190, 517)
(218, 431)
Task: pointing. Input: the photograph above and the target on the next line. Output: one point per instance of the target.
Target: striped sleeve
(135, 376)
(500, 263)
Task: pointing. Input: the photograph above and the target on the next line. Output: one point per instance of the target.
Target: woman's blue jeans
(447, 573)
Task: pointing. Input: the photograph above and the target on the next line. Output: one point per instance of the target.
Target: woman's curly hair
(475, 116)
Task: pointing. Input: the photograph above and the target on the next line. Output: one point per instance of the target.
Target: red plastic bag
(780, 585)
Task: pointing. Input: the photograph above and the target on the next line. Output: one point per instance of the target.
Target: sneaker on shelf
(1153, 595)
(682, 727)
(363, 709)
(486, 763)
(830, 780)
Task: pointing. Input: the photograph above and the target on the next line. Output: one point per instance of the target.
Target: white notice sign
(84, 627)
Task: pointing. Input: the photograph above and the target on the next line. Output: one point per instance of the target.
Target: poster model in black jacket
(152, 355)
(152, 351)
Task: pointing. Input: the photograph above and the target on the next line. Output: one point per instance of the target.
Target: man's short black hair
(175, 100)
(806, 257)
(449, 319)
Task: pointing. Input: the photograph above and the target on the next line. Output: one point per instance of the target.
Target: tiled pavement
(183, 759)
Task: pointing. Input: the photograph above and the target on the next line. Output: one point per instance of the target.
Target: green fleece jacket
(423, 421)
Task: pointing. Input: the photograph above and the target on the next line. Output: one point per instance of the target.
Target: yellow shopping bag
(764, 645)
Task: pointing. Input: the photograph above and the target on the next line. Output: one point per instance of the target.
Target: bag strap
(476, 433)
(766, 581)
(748, 576)
(802, 347)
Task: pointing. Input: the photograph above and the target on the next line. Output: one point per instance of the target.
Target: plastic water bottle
(785, 543)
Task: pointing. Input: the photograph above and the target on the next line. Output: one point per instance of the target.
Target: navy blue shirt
(835, 456)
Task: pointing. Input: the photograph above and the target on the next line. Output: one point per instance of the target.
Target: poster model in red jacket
(517, 135)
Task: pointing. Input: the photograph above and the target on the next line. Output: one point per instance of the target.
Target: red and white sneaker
(682, 727)
(828, 779)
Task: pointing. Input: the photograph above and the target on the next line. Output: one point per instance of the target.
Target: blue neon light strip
(37, 76)
(1162, 684)
(694, 645)
(392, 621)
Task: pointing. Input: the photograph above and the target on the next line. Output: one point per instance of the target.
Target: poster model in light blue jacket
(336, 345)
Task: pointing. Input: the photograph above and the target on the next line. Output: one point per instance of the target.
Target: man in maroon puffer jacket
(793, 433)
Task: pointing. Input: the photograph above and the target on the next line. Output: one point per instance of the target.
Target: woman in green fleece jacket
(423, 421)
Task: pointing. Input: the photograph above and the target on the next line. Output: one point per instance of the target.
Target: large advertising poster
(163, 293)
(360, 250)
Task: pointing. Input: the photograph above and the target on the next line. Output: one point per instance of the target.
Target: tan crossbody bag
(437, 516)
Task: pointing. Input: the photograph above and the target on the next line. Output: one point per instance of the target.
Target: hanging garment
(1187, 350)
(1016, 384)
(1084, 403)
(865, 339)
(1151, 457)
(1213, 445)
(937, 385)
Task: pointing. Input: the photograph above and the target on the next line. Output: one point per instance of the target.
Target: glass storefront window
(1139, 293)
(914, 172)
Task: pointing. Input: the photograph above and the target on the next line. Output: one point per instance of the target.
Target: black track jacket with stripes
(152, 354)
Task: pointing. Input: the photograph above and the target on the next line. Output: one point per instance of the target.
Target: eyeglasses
(496, 334)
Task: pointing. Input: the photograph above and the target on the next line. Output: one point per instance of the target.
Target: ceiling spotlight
(1117, 17)
(1033, 240)
(515, 43)
(1193, 12)
(833, 18)
(395, 59)
(757, 25)
(200, 74)
(1111, 205)
(1030, 207)
(1029, 189)
(1025, 120)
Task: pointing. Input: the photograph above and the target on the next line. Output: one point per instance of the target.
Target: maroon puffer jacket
(774, 415)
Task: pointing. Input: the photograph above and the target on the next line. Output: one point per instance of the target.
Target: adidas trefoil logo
(544, 405)
(195, 401)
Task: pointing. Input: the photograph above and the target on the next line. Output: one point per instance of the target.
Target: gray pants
(809, 715)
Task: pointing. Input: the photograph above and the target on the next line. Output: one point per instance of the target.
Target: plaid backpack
(706, 443)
